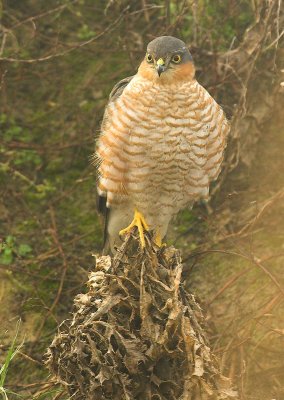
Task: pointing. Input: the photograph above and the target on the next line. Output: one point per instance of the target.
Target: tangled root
(136, 333)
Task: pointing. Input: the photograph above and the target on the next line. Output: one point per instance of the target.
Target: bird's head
(167, 59)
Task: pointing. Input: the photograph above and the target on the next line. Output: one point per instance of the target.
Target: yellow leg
(158, 239)
(141, 224)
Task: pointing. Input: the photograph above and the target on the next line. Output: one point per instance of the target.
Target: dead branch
(136, 333)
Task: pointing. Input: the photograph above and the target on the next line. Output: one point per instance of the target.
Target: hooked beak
(160, 66)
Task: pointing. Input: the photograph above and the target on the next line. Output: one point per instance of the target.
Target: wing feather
(102, 200)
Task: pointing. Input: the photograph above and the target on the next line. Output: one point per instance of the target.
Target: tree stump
(136, 333)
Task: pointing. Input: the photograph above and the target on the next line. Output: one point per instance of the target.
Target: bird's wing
(119, 88)
(217, 141)
(102, 200)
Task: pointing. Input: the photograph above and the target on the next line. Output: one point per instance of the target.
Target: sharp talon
(140, 222)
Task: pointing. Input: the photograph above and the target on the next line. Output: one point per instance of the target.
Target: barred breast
(160, 147)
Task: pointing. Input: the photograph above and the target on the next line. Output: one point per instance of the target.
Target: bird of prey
(162, 141)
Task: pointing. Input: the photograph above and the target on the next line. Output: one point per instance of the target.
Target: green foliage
(9, 249)
(6, 255)
(42, 190)
(28, 157)
(85, 33)
(216, 24)
(11, 130)
(238, 17)
(12, 133)
(24, 250)
(12, 352)
(6, 251)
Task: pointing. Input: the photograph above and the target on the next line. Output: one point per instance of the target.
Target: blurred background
(58, 62)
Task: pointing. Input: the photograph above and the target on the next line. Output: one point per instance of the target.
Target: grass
(12, 352)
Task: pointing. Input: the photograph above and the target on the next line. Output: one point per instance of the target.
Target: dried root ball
(136, 334)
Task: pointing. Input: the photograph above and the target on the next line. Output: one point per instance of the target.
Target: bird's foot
(140, 222)
(158, 240)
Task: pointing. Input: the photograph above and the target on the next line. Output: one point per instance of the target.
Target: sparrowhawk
(162, 141)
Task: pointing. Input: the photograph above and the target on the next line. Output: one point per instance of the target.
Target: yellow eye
(176, 59)
(149, 58)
